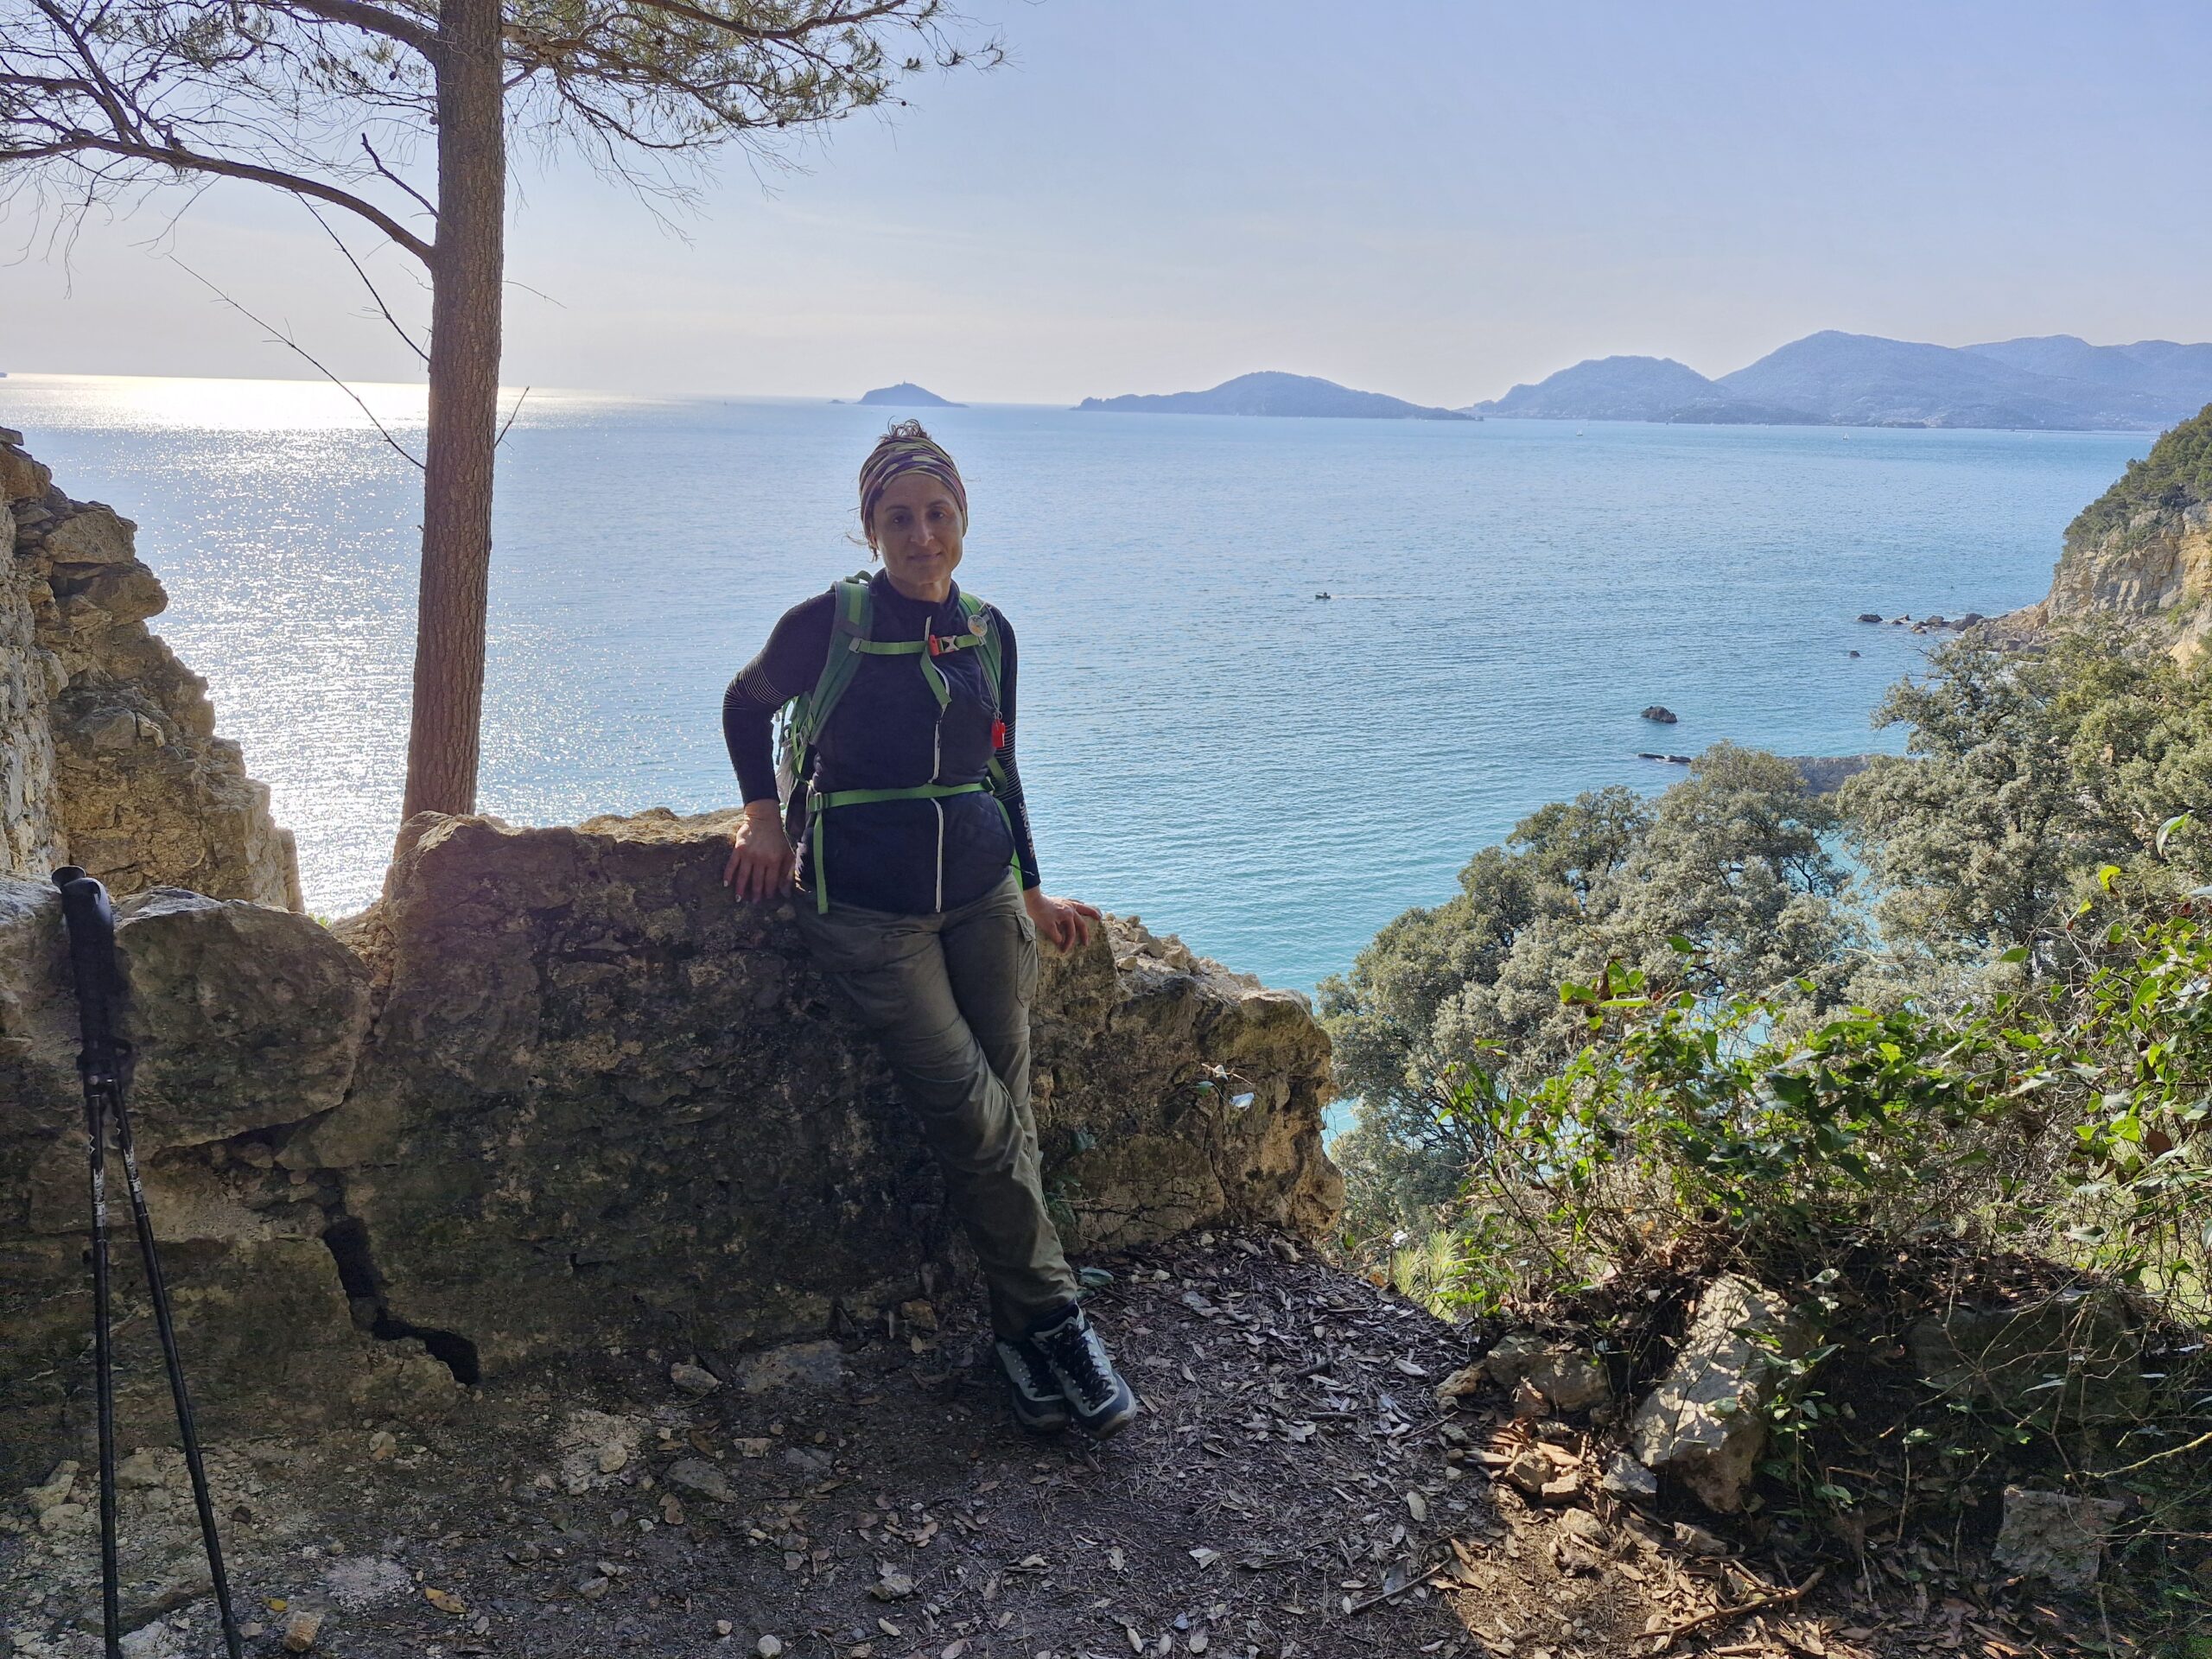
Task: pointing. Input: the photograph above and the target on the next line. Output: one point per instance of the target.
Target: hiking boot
(1038, 1406)
(1077, 1357)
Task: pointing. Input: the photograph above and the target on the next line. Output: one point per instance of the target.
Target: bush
(2053, 1145)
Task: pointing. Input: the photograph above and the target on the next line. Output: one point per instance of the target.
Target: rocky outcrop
(2141, 552)
(108, 753)
(245, 1020)
(558, 1092)
(2154, 570)
(1825, 773)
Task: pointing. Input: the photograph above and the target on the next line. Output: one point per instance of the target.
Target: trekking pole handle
(89, 919)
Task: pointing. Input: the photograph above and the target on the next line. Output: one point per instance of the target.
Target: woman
(923, 904)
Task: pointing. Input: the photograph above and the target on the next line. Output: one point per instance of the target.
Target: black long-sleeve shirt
(888, 731)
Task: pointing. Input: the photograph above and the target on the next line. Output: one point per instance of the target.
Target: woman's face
(916, 532)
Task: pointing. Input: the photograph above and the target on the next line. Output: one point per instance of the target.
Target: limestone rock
(558, 1091)
(1563, 1376)
(55, 1490)
(247, 1020)
(702, 1479)
(2072, 1358)
(1705, 1421)
(2056, 1536)
(1466, 1381)
(302, 1626)
(108, 753)
(2142, 552)
(1625, 1477)
(596, 1084)
(22, 479)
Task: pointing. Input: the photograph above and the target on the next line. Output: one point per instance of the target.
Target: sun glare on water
(157, 405)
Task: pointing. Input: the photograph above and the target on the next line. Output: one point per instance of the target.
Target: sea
(1280, 678)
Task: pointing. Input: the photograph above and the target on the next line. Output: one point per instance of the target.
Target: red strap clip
(998, 735)
(933, 644)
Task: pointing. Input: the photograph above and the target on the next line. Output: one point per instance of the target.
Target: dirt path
(1293, 1492)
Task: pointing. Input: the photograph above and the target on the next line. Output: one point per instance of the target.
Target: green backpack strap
(810, 710)
(983, 628)
(991, 646)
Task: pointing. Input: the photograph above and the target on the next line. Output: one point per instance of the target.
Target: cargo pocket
(1025, 978)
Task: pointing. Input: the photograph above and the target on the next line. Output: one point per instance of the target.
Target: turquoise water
(1269, 775)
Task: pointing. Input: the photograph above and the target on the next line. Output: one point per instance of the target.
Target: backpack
(809, 713)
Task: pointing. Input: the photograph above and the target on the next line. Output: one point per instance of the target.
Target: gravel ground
(1293, 1488)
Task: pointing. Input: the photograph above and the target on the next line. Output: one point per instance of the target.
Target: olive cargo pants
(948, 998)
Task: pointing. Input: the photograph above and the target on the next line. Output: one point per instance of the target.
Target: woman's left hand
(1065, 922)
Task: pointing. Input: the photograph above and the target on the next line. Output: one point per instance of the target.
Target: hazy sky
(1431, 199)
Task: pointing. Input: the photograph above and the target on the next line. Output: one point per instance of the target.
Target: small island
(907, 395)
(1268, 394)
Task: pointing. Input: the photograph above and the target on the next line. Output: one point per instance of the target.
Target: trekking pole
(104, 1066)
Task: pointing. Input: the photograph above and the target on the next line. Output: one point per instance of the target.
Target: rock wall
(108, 753)
(556, 1090)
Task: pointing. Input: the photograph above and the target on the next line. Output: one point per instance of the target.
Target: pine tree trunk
(465, 272)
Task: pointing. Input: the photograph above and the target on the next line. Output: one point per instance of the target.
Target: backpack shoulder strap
(850, 621)
(990, 647)
(976, 610)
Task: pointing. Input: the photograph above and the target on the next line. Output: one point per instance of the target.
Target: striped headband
(900, 452)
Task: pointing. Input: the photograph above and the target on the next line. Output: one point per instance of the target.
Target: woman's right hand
(762, 865)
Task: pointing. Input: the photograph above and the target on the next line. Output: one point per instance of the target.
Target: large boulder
(1706, 1423)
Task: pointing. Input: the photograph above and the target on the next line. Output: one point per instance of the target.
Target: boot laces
(1080, 1354)
(1027, 1363)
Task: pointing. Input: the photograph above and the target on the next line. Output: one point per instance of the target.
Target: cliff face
(108, 753)
(2155, 568)
(2143, 550)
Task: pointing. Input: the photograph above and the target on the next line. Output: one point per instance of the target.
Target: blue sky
(1431, 199)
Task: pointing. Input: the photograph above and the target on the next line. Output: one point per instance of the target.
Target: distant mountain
(1274, 394)
(1637, 389)
(2159, 368)
(907, 395)
(1609, 389)
(1864, 380)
